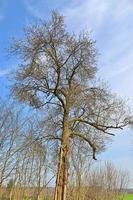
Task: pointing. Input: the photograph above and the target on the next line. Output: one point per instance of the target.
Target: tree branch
(99, 127)
(89, 142)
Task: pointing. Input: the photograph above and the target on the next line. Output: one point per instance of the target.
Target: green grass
(129, 197)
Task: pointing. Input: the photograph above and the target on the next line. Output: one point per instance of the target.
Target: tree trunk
(62, 174)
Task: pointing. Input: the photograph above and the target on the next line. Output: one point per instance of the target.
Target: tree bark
(62, 174)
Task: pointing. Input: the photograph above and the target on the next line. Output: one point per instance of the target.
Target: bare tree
(22, 153)
(81, 163)
(30, 159)
(9, 131)
(58, 73)
(106, 182)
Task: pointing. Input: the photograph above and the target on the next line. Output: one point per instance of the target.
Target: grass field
(129, 197)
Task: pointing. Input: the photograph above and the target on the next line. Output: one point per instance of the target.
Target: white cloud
(89, 14)
(94, 13)
(80, 14)
(4, 72)
(119, 66)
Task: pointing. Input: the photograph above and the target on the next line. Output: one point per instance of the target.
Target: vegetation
(128, 197)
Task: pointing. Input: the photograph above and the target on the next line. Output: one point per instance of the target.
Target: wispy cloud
(4, 72)
(75, 12)
(95, 14)
(87, 14)
(117, 66)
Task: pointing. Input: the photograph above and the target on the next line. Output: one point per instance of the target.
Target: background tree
(106, 182)
(58, 72)
(81, 164)
(22, 153)
(10, 125)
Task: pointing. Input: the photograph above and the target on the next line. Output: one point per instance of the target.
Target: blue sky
(111, 25)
